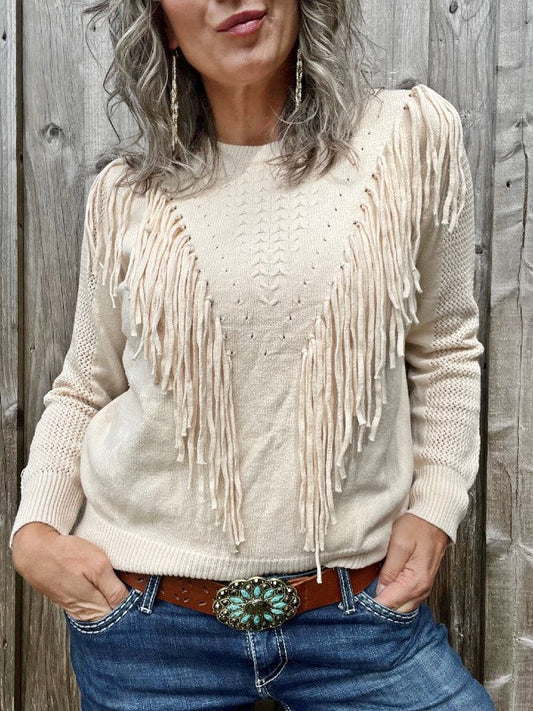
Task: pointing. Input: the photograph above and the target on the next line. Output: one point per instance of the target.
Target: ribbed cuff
(49, 498)
(439, 495)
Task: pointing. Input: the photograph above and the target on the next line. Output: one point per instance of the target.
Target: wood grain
(10, 140)
(509, 585)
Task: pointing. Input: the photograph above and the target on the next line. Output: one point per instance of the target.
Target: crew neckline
(248, 153)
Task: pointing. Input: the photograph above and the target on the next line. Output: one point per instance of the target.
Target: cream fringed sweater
(261, 380)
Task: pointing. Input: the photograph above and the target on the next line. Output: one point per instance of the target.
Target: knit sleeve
(91, 376)
(442, 363)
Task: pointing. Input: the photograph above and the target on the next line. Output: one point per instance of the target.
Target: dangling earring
(174, 99)
(298, 89)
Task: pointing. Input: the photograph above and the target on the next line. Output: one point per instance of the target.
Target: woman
(269, 405)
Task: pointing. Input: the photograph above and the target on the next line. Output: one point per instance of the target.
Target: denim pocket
(109, 619)
(366, 600)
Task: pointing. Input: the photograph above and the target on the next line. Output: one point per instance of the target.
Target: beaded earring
(299, 70)
(174, 99)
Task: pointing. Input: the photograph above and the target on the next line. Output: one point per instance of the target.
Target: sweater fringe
(342, 373)
(171, 311)
(359, 333)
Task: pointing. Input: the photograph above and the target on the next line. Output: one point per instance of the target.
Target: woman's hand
(415, 550)
(70, 570)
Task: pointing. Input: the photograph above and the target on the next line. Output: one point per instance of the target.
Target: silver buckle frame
(255, 603)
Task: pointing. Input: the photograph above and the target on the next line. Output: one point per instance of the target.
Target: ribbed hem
(49, 498)
(439, 495)
(139, 554)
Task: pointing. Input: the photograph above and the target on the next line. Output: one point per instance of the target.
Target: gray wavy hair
(335, 91)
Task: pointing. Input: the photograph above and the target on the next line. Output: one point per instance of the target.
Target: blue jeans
(352, 655)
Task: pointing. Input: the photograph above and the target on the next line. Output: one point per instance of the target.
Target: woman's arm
(92, 375)
(443, 372)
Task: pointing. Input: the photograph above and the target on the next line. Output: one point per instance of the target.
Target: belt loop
(348, 599)
(146, 601)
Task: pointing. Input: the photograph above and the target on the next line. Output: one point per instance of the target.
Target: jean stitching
(102, 625)
(147, 603)
(258, 684)
(251, 654)
(346, 590)
(406, 618)
(154, 592)
(283, 657)
(401, 615)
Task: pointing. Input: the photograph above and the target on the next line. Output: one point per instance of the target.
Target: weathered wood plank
(50, 245)
(399, 40)
(9, 382)
(509, 625)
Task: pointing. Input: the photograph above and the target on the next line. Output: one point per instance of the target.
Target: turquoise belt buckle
(255, 603)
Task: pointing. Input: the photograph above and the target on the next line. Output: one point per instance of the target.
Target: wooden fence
(479, 55)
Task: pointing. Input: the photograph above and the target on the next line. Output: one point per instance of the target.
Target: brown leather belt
(257, 602)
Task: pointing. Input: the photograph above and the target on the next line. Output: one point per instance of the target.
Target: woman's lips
(245, 28)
